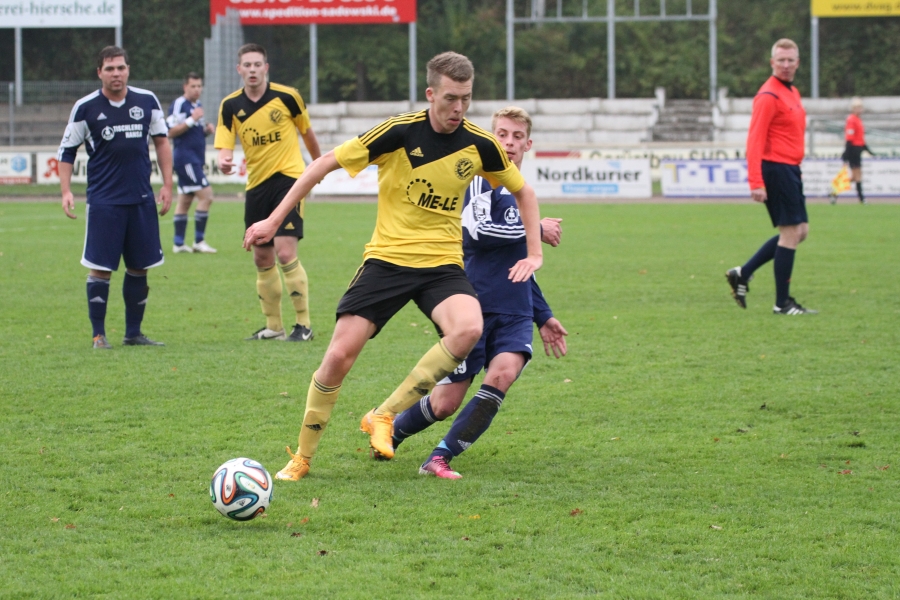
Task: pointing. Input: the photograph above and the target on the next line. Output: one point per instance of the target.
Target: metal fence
(48, 92)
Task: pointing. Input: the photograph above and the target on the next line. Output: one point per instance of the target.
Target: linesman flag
(841, 182)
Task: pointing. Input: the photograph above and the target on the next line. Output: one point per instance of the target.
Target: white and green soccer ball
(241, 489)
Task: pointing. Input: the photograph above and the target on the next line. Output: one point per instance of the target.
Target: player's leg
(141, 252)
(350, 335)
(856, 176)
(459, 318)
(739, 277)
(201, 217)
(104, 238)
(787, 208)
(268, 289)
(442, 402)
(180, 219)
(297, 284)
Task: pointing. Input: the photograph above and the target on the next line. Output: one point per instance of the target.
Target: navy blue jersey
(493, 242)
(116, 135)
(190, 146)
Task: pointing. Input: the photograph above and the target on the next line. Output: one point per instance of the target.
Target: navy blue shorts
(784, 188)
(502, 333)
(130, 231)
(191, 178)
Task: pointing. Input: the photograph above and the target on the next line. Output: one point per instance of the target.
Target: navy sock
(414, 419)
(859, 190)
(200, 218)
(765, 253)
(134, 291)
(473, 421)
(180, 228)
(98, 295)
(784, 265)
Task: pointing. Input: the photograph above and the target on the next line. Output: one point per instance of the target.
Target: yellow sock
(437, 363)
(297, 284)
(268, 286)
(320, 401)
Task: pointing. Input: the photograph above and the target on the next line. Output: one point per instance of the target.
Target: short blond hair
(513, 113)
(452, 65)
(855, 102)
(785, 43)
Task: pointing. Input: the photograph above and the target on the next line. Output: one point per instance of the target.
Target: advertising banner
(60, 13)
(728, 178)
(568, 178)
(326, 12)
(15, 167)
(857, 8)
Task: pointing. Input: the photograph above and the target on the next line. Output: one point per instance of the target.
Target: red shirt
(854, 131)
(777, 129)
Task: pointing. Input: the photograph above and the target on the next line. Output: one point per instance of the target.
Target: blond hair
(449, 64)
(513, 113)
(856, 102)
(785, 43)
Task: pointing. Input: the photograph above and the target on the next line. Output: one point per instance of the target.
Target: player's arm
(764, 107)
(65, 185)
(178, 127)
(551, 231)
(263, 231)
(311, 143)
(224, 141)
(531, 218)
(76, 132)
(164, 160)
(553, 334)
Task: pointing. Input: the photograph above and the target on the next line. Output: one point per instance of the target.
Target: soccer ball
(241, 489)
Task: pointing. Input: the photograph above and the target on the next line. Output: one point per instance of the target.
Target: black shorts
(262, 200)
(380, 289)
(853, 156)
(784, 187)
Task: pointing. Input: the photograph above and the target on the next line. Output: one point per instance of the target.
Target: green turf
(684, 449)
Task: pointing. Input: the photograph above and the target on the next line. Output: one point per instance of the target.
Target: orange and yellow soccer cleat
(296, 469)
(380, 429)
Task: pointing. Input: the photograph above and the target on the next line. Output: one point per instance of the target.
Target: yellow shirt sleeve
(353, 156)
(510, 178)
(224, 131)
(301, 120)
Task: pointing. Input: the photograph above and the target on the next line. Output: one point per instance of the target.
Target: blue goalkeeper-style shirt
(190, 146)
(493, 242)
(116, 136)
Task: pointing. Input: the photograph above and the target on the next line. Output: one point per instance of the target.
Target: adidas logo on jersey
(241, 113)
(417, 152)
(101, 117)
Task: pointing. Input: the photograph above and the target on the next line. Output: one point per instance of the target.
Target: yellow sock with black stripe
(320, 401)
(298, 287)
(268, 286)
(437, 363)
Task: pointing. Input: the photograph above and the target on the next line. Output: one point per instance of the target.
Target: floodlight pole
(814, 62)
(313, 64)
(18, 60)
(119, 36)
(713, 50)
(510, 52)
(412, 64)
(611, 49)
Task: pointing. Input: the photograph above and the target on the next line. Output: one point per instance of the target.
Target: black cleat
(739, 287)
(300, 334)
(101, 343)
(792, 307)
(140, 340)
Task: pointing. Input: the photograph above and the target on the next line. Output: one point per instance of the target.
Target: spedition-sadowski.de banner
(567, 178)
(60, 13)
(304, 12)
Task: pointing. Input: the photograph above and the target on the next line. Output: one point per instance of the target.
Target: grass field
(684, 449)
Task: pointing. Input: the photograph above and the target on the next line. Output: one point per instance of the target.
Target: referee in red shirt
(775, 148)
(855, 134)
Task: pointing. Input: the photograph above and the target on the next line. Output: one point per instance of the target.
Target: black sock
(859, 191)
(473, 421)
(784, 265)
(765, 253)
(134, 291)
(180, 222)
(414, 419)
(98, 295)
(200, 218)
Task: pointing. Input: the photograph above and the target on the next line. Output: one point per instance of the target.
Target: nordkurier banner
(580, 178)
(325, 12)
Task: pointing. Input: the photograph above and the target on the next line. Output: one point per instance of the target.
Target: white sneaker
(203, 248)
(183, 248)
(267, 334)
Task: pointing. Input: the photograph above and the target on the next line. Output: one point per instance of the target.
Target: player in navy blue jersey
(188, 130)
(493, 241)
(116, 124)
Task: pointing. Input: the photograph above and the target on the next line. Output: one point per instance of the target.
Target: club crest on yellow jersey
(464, 168)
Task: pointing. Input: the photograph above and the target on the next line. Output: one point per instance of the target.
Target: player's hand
(524, 269)
(553, 334)
(209, 129)
(259, 233)
(759, 195)
(226, 164)
(551, 231)
(68, 205)
(165, 199)
(197, 113)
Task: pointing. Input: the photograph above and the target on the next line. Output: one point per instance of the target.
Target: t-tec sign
(305, 12)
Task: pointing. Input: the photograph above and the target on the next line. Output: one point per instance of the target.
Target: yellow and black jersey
(422, 181)
(267, 129)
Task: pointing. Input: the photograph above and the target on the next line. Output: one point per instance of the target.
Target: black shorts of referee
(853, 155)
(262, 200)
(380, 289)
(784, 189)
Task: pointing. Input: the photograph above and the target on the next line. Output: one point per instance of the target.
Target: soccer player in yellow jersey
(425, 161)
(266, 117)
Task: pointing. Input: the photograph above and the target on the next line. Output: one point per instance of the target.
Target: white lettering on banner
(568, 178)
(56, 13)
(15, 167)
(728, 178)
